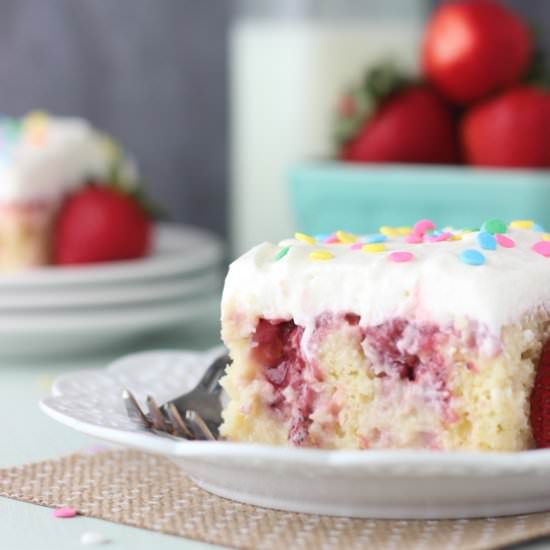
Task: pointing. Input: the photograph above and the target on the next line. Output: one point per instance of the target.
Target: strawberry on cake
(408, 338)
(43, 161)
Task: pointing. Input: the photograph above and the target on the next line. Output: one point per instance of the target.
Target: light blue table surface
(28, 435)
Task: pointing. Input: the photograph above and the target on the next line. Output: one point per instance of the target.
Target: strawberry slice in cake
(407, 338)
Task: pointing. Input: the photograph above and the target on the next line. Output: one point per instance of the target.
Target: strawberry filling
(400, 351)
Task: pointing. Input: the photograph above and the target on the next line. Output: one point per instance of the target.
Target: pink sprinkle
(505, 241)
(403, 256)
(356, 246)
(421, 226)
(542, 248)
(414, 238)
(332, 239)
(65, 512)
(445, 236)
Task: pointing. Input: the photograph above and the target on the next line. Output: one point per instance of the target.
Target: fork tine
(157, 418)
(178, 422)
(134, 411)
(197, 420)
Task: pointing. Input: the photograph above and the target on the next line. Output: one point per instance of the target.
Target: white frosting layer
(436, 286)
(46, 161)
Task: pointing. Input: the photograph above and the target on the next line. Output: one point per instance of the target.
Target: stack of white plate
(58, 310)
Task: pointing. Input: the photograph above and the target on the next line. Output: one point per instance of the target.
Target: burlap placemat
(150, 492)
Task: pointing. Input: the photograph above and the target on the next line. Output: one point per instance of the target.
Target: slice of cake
(407, 338)
(42, 158)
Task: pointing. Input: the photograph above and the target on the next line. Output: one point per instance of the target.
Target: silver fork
(193, 415)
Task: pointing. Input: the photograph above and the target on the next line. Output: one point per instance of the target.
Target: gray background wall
(151, 72)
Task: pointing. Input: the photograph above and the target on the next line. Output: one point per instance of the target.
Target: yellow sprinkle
(305, 238)
(374, 247)
(522, 224)
(389, 231)
(36, 117)
(346, 238)
(321, 255)
(546, 236)
(456, 237)
(404, 230)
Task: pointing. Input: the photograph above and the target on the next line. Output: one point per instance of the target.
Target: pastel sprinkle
(456, 237)
(356, 246)
(522, 224)
(440, 237)
(346, 238)
(504, 241)
(373, 247)
(472, 257)
(495, 226)
(401, 256)
(376, 238)
(486, 240)
(91, 537)
(546, 237)
(304, 238)
(405, 230)
(422, 226)
(389, 231)
(65, 512)
(321, 237)
(538, 227)
(321, 255)
(281, 253)
(331, 239)
(414, 238)
(542, 248)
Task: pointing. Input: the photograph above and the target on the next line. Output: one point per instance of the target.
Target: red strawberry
(509, 130)
(412, 124)
(100, 224)
(540, 401)
(475, 47)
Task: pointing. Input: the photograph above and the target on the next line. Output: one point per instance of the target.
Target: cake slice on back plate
(408, 338)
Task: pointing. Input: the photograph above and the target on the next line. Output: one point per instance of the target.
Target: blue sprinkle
(322, 237)
(472, 257)
(538, 227)
(376, 238)
(486, 240)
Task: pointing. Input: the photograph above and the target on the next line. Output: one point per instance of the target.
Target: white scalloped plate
(381, 484)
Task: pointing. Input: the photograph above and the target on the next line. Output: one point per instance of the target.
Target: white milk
(286, 78)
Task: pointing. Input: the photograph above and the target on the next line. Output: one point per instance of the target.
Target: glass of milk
(290, 61)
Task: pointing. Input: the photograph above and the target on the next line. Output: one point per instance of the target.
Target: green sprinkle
(282, 253)
(495, 226)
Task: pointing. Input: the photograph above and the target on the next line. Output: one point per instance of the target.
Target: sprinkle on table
(495, 226)
(546, 237)
(321, 255)
(440, 237)
(90, 538)
(281, 253)
(504, 241)
(538, 227)
(65, 512)
(423, 226)
(486, 240)
(522, 224)
(346, 238)
(542, 248)
(305, 238)
(373, 247)
(401, 256)
(472, 257)
(404, 230)
(356, 246)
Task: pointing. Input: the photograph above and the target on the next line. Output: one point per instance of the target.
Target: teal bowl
(360, 198)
